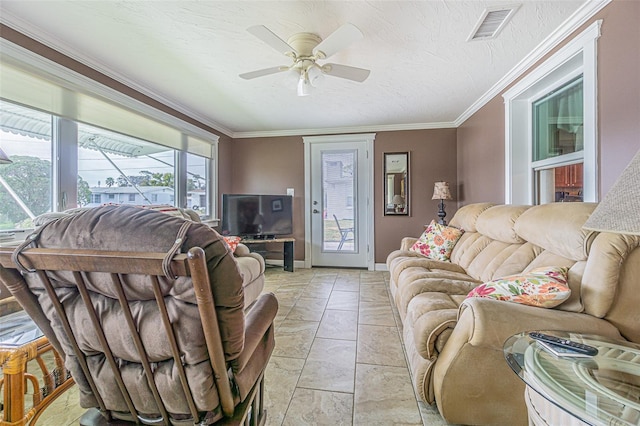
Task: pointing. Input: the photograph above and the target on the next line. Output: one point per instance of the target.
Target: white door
(339, 188)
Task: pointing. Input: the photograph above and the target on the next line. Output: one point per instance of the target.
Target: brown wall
(618, 89)
(481, 138)
(481, 156)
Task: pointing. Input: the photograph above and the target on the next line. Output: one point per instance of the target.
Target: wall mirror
(396, 183)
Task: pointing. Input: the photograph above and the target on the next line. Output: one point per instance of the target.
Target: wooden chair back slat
(97, 328)
(206, 307)
(42, 275)
(175, 351)
(137, 340)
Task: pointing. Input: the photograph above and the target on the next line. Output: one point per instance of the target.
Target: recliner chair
(148, 311)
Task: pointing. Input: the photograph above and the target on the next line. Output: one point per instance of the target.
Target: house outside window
(96, 198)
(132, 198)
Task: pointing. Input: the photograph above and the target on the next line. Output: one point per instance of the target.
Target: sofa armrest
(464, 376)
(490, 322)
(257, 321)
(407, 243)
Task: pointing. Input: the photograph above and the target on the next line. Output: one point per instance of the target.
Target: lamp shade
(397, 199)
(441, 191)
(4, 158)
(619, 211)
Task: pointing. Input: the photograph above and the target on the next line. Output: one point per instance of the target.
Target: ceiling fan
(305, 49)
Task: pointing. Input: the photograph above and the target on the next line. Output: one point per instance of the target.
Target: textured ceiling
(188, 54)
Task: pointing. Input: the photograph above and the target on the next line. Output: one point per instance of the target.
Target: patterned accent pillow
(544, 287)
(232, 243)
(437, 241)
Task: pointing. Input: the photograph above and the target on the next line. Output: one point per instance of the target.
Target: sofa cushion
(437, 241)
(557, 227)
(544, 287)
(466, 216)
(498, 223)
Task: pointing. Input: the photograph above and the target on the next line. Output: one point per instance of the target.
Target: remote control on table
(564, 343)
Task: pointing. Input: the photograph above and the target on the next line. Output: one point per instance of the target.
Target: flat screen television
(257, 216)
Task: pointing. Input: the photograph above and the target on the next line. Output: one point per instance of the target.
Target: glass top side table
(599, 390)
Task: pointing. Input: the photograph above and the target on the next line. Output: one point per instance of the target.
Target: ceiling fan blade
(337, 40)
(263, 72)
(345, 71)
(267, 36)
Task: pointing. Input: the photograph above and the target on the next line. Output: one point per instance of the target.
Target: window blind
(58, 96)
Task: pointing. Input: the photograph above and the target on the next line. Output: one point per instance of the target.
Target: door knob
(316, 211)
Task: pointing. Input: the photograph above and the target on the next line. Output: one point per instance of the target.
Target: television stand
(287, 248)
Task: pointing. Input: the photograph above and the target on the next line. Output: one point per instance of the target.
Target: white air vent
(492, 22)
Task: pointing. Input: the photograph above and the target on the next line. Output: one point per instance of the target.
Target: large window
(92, 167)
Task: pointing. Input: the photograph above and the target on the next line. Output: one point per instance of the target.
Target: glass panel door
(338, 183)
(338, 200)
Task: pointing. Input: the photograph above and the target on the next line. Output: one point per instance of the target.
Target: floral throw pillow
(437, 241)
(232, 243)
(544, 287)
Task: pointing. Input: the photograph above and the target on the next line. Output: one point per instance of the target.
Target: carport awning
(32, 123)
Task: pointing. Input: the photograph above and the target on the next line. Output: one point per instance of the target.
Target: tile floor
(338, 358)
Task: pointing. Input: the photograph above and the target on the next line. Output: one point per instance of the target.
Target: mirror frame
(401, 188)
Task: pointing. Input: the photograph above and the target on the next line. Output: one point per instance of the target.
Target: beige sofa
(454, 344)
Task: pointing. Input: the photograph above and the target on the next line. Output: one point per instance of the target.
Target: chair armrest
(257, 321)
(243, 251)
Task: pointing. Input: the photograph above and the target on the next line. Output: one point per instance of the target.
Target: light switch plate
(290, 191)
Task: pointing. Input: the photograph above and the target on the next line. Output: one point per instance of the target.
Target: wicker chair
(156, 335)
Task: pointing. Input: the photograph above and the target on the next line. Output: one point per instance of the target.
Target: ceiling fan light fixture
(304, 85)
(315, 75)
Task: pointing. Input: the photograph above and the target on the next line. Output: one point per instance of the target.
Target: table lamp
(619, 211)
(441, 192)
(4, 158)
(399, 203)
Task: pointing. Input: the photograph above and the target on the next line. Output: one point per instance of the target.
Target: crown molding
(578, 18)
(339, 130)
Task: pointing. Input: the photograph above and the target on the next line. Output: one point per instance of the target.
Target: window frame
(579, 56)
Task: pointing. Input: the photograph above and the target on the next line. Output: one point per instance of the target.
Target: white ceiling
(188, 54)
